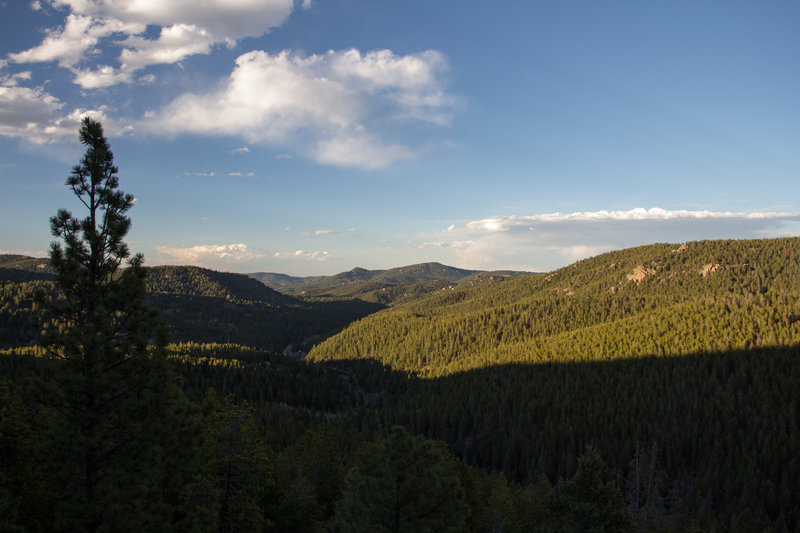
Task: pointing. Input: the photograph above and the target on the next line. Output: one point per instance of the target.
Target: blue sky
(310, 137)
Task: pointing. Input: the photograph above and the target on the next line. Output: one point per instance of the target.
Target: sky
(310, 137)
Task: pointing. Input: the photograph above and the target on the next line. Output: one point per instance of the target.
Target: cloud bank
(204, 254)
(325, 104)
(40, 118)
(546, 241)
(185, 28)
(334, 107)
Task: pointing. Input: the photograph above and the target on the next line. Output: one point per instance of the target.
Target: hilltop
(21, 268)
(275, 280)
(665, 299)
(685, 353)
(683, 356)
(387, 287)
(201, 305)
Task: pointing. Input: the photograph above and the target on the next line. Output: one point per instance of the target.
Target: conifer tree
(402, 483)
(111, 387)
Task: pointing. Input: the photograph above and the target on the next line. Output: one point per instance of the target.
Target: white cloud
(550, 240)
(102, 76)
(328, 231)
(241, 150)
(225, 19)
(36, 116)
(506, 223)
(14, 79)
(303, 255)
(70, 43)
(187, 28)
(241, 174)
(202, 253)
(321, 104)
(360, 151)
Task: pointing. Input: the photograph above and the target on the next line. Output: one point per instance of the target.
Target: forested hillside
(654, 387)
(422, 278)
(274, 280)
(687, 351)
(386, 287)
(201, 305)
(661, 299)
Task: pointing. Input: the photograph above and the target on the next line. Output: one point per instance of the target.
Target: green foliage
(23, 485)
(203, 305)
(691, 350)
(402, 483)
(116, 401)
(389, 287)
(200, 305)
(21, 309)
(706, 296)
(237, 470)
(588, 501)
(22, 263)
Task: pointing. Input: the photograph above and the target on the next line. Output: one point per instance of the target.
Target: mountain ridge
(383, 279)
(658, 298)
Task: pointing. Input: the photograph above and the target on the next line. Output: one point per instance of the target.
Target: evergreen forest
(655, 388)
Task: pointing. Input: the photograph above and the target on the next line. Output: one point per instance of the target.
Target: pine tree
(587, 501)
(111, 387)
(402, 483)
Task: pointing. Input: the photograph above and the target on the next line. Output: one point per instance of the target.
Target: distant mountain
(24, 262)
(204, 305)
(21, 268)
(418, 279)
(201, 305)
(277, 281)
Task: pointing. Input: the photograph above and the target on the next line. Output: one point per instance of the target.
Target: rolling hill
(663, 299)
(201, 305)
(274, 280)
(389, 287)
(689, 353)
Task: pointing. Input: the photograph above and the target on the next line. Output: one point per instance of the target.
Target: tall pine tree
(116, 399)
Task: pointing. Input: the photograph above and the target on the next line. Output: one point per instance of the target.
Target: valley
(685, 354)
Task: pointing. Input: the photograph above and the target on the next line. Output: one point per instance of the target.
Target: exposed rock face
(640, 273)
(682, 248)
(709, 269)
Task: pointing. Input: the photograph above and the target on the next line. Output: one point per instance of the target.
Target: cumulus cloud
(38, 117)
(203, 253)
(70, 43)
(324, 104)
(547, 241)
(186, 28)
(303, 255)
